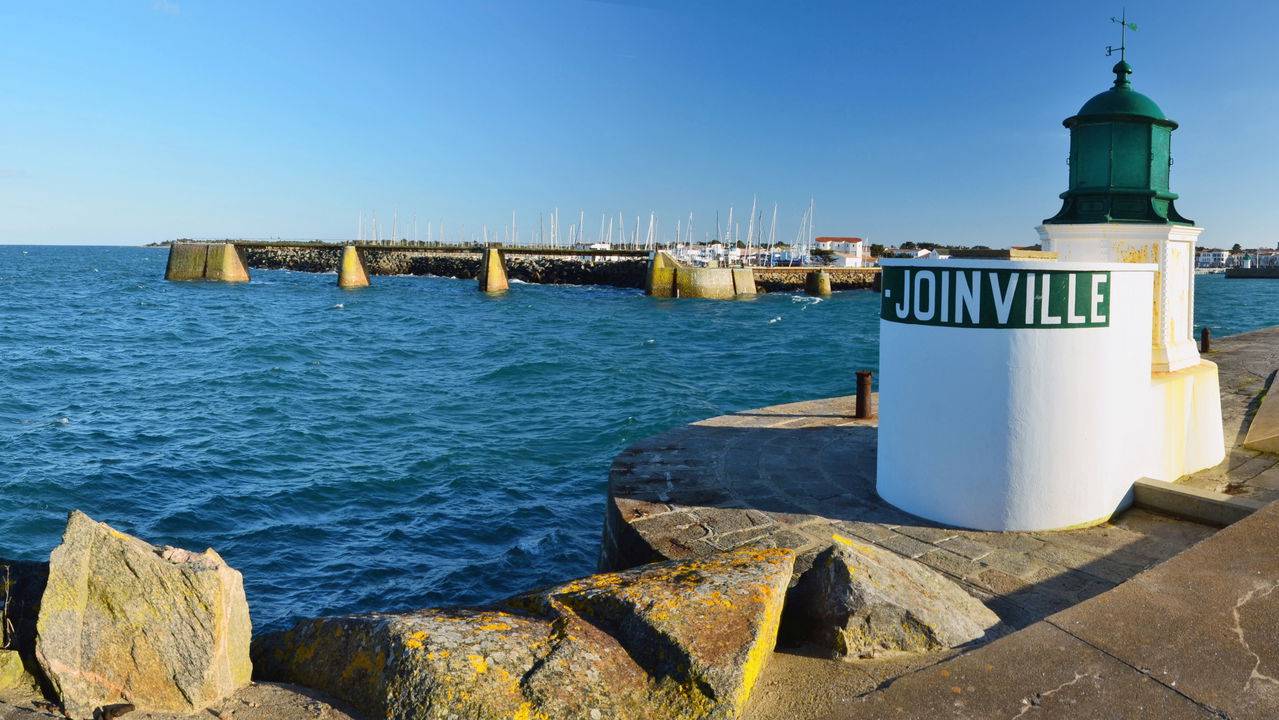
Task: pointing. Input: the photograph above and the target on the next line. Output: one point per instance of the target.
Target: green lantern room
(1120, 158)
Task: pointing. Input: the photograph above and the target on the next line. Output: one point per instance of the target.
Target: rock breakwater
(668, 641)
(553, 270)
(791, 279)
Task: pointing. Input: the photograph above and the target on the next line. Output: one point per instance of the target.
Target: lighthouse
(1118, 207)
(1062, 377)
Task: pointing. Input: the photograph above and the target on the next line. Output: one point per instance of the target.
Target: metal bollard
(1205, 340)
(863, 395)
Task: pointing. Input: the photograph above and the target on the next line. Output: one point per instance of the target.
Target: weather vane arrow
(1124, 27)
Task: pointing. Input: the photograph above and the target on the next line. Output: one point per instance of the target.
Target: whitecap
(776, 319)
(63, 421)
(530, 545)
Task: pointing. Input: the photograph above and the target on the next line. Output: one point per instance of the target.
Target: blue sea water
(410, 444)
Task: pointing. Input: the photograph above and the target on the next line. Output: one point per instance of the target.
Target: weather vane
(1125, 26)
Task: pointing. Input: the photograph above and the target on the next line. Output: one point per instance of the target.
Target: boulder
(861, 598)
(679, 639)
(122, 621)
(13, 674)
(21, 586)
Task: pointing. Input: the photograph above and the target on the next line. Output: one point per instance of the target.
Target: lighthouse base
(1185, 407)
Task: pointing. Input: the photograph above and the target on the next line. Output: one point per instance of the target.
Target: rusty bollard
(1205, 340)
(863, 395)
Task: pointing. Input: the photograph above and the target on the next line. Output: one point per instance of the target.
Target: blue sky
(130, 121)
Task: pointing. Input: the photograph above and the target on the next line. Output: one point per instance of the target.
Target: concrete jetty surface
(1145, 615)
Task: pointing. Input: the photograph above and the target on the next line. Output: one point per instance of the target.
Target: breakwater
(550, 270)
(791, 279)
(1262, 272)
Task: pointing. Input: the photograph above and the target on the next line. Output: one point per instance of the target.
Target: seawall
(791, 279)
(627, 273)
(1265, 272)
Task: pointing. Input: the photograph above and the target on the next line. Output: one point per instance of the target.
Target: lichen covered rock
(13, 675)
(681, 639)
(122, 621)
(21, 586)
(861, 598)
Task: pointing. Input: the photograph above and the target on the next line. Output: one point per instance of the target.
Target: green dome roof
(1122, 99)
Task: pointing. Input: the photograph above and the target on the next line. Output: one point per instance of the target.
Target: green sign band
(969, 298)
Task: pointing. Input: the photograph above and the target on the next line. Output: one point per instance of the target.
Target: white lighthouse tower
(1062, 377)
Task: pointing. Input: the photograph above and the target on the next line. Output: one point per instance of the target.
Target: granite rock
(678, 639)
(21, 586)
(861, 598)
(122, 621)
(13, 675)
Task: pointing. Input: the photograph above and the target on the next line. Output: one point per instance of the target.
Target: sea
(411, 444)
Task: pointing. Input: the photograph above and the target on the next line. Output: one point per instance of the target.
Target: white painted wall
(1172, 247)
(1017, 429)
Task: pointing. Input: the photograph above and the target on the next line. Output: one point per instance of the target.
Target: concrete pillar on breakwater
(492, 271)
(714, 283)
(817, 283)
(661, 275)
(202, 261)
(351, 273)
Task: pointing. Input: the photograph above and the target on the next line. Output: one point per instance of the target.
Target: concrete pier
(713, 283)
(351, 273)
(492, 272)
(1145, 611)
(200, 261)
(817, 283)
(744, 281)
(660, 279)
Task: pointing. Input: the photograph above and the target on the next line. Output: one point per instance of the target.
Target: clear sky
(131, 121)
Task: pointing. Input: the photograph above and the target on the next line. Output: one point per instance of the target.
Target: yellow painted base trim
(1185, 421)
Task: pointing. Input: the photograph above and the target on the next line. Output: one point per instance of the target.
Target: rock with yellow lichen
(13, 675)
(21, 585)
(122, 621)
(679, 639)
(860, 598)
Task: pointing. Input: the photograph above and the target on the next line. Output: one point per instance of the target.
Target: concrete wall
(186, 261)
(206, 261)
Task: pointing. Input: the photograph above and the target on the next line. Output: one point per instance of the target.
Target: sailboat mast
(810, 224)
